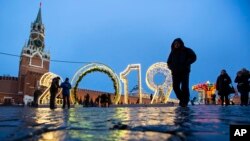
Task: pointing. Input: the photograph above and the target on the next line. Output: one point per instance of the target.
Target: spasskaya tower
(34, 60)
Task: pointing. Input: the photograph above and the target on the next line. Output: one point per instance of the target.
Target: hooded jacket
(180, 59)
(223, 83)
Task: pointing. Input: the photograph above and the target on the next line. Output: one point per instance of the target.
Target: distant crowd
(225, 88)
(179, 62)
(103, 100)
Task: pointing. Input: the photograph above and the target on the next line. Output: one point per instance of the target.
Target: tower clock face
(34, 35)
(38, 42)
(37, 39)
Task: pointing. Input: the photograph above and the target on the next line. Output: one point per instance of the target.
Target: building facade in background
(34, 62)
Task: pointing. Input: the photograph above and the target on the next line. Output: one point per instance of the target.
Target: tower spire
(39, 15)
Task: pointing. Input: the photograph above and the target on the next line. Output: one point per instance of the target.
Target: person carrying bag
(242, 79)
(223, 87)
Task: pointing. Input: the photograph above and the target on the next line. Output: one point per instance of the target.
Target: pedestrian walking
(53, 91)
(243, 86)
(86, 100)
(66, 86)
(179, 62)
(109, 100)
(223, 86)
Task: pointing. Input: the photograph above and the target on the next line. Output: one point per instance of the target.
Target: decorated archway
(93, 67)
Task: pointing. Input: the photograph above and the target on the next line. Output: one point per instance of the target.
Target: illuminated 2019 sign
(161, 92)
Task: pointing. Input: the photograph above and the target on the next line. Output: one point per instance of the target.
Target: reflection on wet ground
(137, 123)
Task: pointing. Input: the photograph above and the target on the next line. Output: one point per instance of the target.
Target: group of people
(66, 86)
(224, 86)
(103, 100)
(179, 62)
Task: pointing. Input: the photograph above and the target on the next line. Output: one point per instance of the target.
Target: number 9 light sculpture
(165, 87)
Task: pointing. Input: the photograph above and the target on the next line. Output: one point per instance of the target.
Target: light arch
(93, 67)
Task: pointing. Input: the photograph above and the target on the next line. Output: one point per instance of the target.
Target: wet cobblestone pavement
(198, 122)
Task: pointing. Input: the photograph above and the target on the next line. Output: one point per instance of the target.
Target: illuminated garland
(116, 87)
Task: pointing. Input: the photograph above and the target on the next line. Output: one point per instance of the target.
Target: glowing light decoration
(123, 77)
(92, 67)
(161, 91)
(45, 81)
(205, 90)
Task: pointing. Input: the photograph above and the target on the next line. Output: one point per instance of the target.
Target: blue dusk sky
(122, 32)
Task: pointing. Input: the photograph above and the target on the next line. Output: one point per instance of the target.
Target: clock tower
(34, 60)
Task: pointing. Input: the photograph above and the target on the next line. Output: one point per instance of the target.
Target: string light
(97, 67)
(159, 67)
(125, 80)
(52, 60)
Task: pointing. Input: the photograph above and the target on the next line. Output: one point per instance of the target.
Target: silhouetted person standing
(103, 100)
(109, 100)
(66, 86)
(97, 100)
(91, 102)
(86, 101)
(53, 91)
(213, 99)
(37, 93)
(151, 97)
(223, 86)
(179, 62)
(243, 87)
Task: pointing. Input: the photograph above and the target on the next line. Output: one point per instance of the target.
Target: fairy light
(45, 81)
(166, 86)
(97, 67)
(123, 77)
